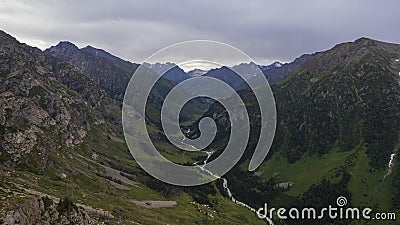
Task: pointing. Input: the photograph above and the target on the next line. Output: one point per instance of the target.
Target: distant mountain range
(273, 72)
(115, 72)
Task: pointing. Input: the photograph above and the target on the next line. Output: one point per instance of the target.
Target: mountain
(63, 158)
(358, 85)
(47, 109)
(170, 71)
(112, 74)
(338, 127)
(278, 71)
(196, 72)
(274, 72)
(109, 72)
(43, 97)
(273, 65)
(160, 68)
(118, 62)
(230, 75)
(226, 75)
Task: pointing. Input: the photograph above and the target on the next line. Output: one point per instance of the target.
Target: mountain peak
(90, 48)
(5, 37)
(3, 33)
(277, 64)
(98, 52)
(196, 72)
(363, 41)
(66, 45)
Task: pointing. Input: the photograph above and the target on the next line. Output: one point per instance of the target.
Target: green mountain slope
(338, 124)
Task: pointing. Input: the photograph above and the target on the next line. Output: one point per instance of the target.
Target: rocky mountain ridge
(109, 72)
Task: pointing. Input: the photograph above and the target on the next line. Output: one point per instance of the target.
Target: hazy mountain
(227, 75)
(196, 72)
(274, 72)
(271, 66)
(170, 71)
(278, 71)
(247, 69)
(160, 68)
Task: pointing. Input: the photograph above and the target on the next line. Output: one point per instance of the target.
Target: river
(226, 187)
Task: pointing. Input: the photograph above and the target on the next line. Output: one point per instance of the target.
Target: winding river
(226, 187)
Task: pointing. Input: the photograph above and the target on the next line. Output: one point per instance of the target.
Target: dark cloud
(265, 30)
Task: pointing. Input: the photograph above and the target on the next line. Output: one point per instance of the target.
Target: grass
(304, 172)
(368, 186)
(99, 194)
(176, 155)
(82, 185)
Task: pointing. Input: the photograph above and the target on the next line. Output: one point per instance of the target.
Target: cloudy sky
(265, 30)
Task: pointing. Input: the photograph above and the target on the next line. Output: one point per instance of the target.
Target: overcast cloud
(265, 30)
